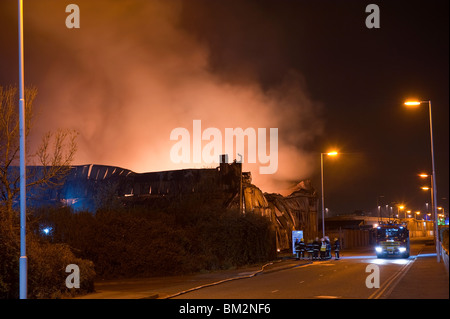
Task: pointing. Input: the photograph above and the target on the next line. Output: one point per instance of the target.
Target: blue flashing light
(47, 230)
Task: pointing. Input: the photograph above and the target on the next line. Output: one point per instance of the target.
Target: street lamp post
(417, 215)
(433, 175)
(443, 212)
(334, 153)
(379, 208)
(400, 208)
(23, 256)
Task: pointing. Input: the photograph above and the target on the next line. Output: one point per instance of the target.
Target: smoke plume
(131, 74)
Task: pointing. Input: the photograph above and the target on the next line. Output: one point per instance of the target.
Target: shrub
(47, 263)
(46, 267)
(144, 241)
(9, 264)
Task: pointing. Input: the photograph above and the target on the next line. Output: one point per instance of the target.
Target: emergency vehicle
(392, 240)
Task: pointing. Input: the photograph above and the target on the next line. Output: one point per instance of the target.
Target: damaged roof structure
(225, 184)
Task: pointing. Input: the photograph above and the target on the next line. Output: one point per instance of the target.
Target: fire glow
(151, 83)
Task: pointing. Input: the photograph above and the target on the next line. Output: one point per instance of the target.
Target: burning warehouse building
(225, 185)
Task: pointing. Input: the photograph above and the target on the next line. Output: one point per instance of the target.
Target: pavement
(423, 279)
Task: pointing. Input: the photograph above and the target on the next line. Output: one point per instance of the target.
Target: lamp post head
(413, 103)
(333, 153)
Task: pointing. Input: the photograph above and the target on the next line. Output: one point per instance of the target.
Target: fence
(352, 238)
(421, 233)
(443, 237)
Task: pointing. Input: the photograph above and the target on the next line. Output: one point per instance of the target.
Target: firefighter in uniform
(328, 250)
(316, 248)
(323, 248)
(337, 247)
(310, 249)
(301, 249)
(297, 248)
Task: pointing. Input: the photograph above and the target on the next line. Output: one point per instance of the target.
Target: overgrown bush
(47, 270)
(183, 238)
(46, 267)
(9, 264)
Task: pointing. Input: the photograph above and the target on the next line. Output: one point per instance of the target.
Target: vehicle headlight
(402, 249)
(378, 249)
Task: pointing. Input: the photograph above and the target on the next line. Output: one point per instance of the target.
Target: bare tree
(54, 155)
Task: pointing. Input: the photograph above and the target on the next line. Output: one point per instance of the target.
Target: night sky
(135, 70)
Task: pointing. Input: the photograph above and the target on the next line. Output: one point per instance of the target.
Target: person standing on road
(316, 248)
(297, 248)
(301, 249)
(328, 249)
(310, 249)
(323, 248)
(337, 247)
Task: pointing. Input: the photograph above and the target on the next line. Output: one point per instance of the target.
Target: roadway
(346, 278)
(419, 276)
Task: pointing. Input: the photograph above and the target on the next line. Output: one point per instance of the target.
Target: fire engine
(392, 239)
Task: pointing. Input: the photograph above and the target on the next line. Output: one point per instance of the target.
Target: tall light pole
(433, 203)
(379, 208)
(426, 188)
(334, 153)
(400, 208)
(417, 215)
(433, 174)
(23, 255)
(443, 212)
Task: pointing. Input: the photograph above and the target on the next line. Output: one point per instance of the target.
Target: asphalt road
(348, 277)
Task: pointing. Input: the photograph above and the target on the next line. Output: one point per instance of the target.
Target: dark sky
(349, 81)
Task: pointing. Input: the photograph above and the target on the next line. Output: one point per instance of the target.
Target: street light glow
(425, 188)
(333, 153)
(423, 175)
(412, 103)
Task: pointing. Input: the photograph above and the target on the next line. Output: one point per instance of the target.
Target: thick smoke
(131, 74)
